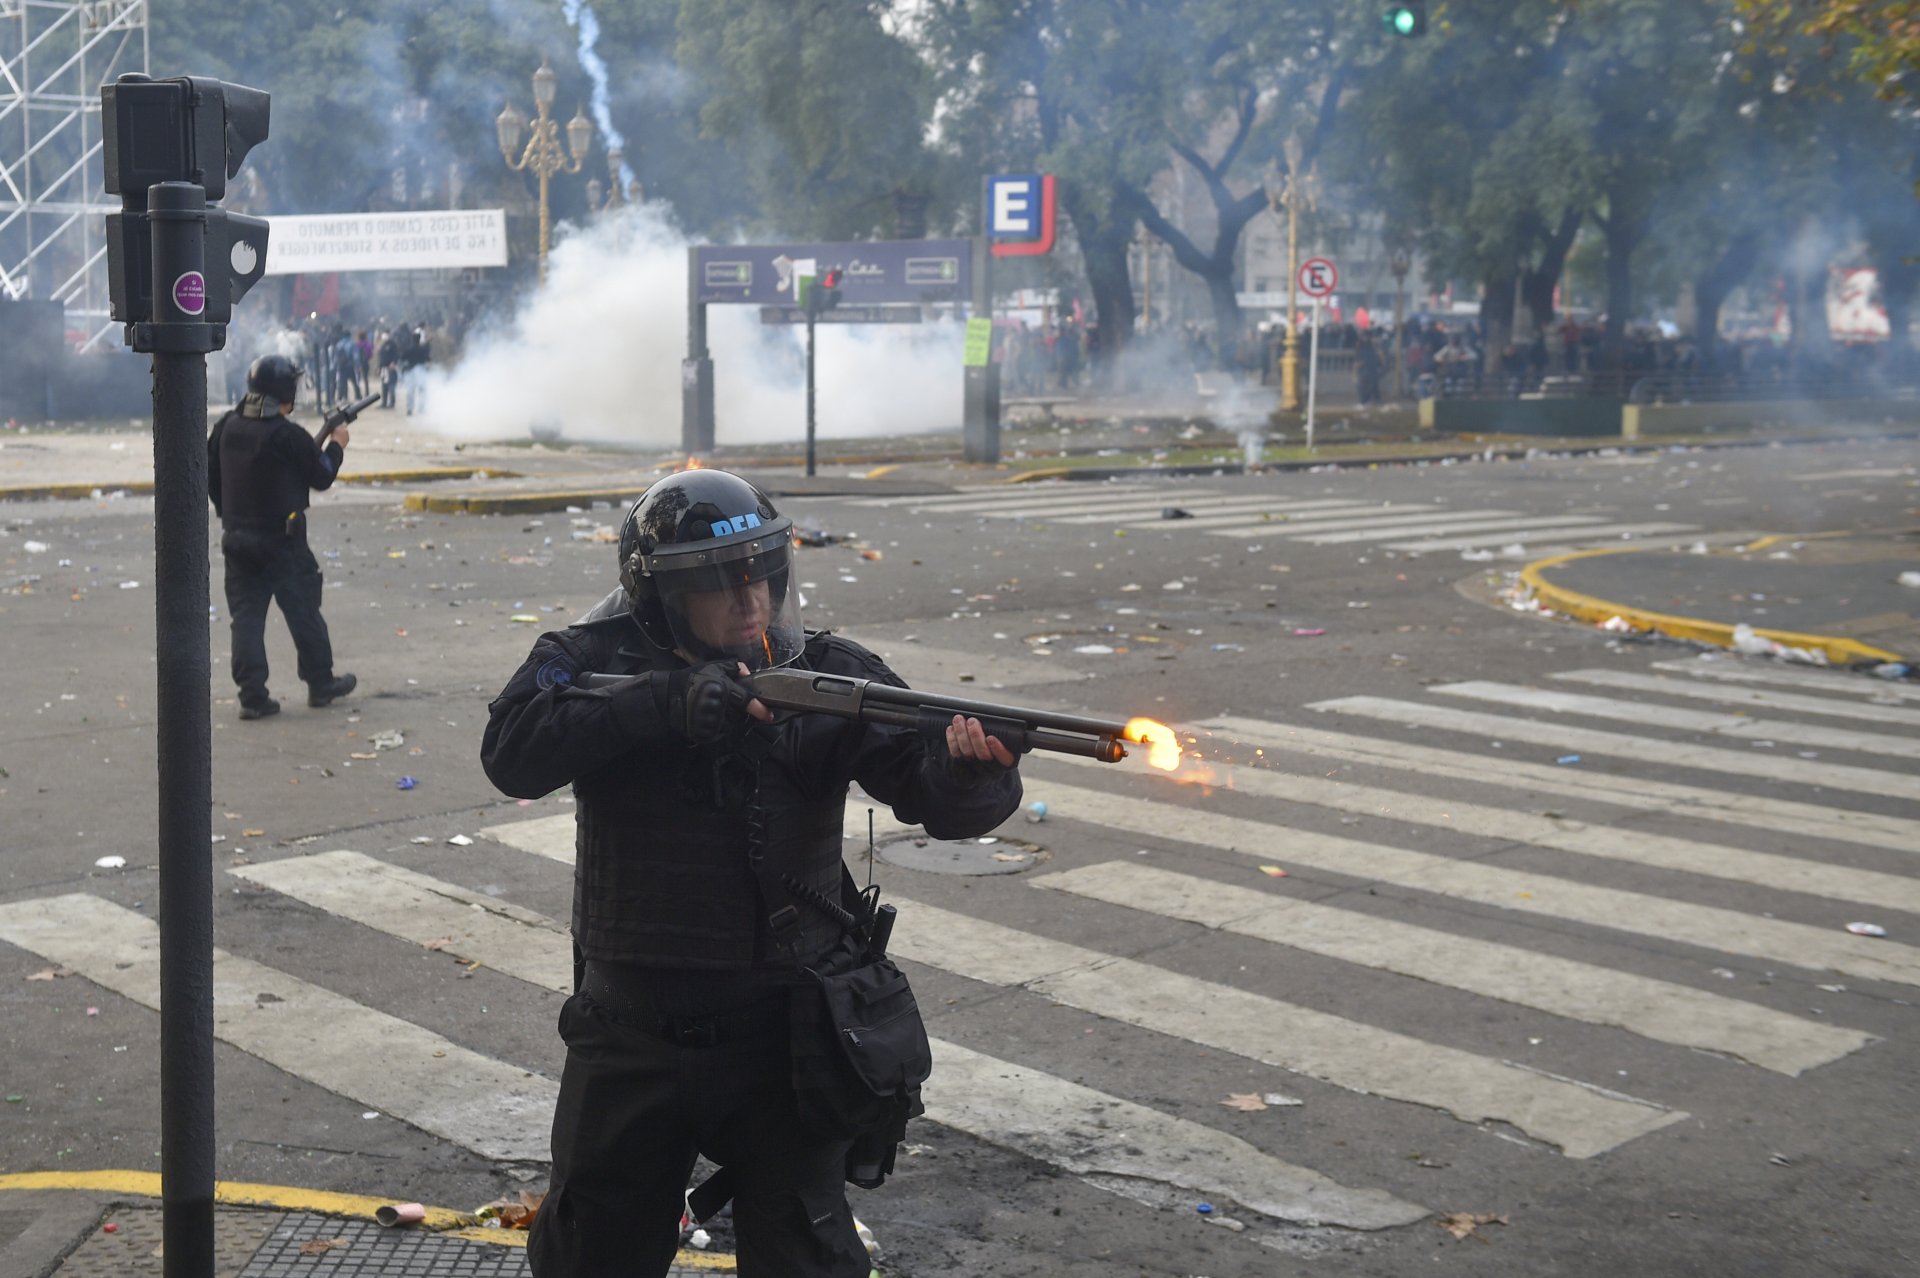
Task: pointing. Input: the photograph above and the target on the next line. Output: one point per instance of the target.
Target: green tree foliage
(826, 106)
(1879, 39)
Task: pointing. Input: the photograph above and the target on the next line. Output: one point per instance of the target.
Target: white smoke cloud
(595, 355)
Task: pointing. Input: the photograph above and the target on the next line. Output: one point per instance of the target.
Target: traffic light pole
(980, 405)
(180, 339)
(168, 147)
(812, 314)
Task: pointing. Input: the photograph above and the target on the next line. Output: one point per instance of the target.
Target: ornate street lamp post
(543, 153)
(615, 197)
(1293, 192)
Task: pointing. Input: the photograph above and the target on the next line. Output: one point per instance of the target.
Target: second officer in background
(260, 469)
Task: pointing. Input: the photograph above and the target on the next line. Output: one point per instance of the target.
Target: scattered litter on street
(1308, 632)
(112, 863)
(1036, 812)
(1246, 1102)
(1906, 578)
(460, 841)
(1463, 1224)
(405, 783)
(1866, 929)
(393, 1214)
(509, 1213)
(388, 740)
(1566, 760)
(1273, 872)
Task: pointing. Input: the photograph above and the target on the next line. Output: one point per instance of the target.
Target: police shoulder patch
(556, 673)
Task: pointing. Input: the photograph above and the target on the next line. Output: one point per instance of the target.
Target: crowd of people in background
(345, 362)
(1443, 356)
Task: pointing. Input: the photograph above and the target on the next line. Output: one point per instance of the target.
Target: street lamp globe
(544, 83)
(579, 135)
(512, 126)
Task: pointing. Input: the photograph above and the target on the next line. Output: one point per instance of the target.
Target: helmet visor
(739, 609)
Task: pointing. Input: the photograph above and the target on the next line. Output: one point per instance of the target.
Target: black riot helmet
(705, 559)
(274, 376)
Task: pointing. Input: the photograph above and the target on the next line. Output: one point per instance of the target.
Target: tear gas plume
(595, 355)
(580, 16)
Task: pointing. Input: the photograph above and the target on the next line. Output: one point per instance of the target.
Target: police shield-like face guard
(730, 599)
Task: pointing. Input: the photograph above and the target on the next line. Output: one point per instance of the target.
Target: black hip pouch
(860, 1049)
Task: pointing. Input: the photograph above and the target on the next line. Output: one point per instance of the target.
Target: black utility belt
(631, 1007)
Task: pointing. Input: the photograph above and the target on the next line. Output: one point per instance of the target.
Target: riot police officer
(260, 468)
(678, 1031)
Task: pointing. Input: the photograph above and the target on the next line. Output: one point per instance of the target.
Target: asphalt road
(1581, 966)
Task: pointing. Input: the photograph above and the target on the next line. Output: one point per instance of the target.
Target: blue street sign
(1014, 207)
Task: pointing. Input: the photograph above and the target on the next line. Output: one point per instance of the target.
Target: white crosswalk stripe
(1387, 521)
(1567, 737)
(380, 1061)
(1730, 725)
(1320, 521)
(1002, 494)
(1224, 510)
(1542, 532)
(973, 1095)
(1526, 891)
(1581, 1121)
(425, 1079)
(1236, 739)
(1642, 1005)
(1834, 682)
(1506, 826)
(1764, 699)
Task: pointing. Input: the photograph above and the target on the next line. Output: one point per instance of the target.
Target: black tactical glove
(708, 703)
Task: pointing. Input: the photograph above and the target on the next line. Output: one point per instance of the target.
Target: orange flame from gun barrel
(1163, 747)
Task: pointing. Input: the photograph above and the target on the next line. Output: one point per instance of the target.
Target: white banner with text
(314, 245)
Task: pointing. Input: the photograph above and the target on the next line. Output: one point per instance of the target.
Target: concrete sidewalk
(1839, 595)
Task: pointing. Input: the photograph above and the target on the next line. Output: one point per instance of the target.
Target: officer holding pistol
(691, 793)
(260, 467)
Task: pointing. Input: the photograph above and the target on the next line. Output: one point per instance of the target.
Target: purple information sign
(190, 293)
(873, 273)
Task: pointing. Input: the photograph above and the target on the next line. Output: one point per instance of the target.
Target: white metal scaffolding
(54, 56)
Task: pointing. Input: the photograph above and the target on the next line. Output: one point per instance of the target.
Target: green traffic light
(1406, 19)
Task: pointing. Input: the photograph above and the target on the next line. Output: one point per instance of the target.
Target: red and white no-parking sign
(1319, 277)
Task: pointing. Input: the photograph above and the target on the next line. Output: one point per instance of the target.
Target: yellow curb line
(54, 492)
(79, 489)
(423, 474)
(528, 503)
(1598, 611)
(235, 1193)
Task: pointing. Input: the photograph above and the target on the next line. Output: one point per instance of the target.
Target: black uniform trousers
(633, 1112)
(266, 566)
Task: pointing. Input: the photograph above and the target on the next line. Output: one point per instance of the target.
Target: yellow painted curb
(520, 503)
(1033, 476)
(235, 1193)
(57, 492)
(1838, 649)
(424, 474)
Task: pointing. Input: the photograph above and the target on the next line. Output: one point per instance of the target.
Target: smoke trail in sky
(581, 16)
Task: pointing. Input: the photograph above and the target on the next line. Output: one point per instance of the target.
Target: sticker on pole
(1319, 277)
(190, 293)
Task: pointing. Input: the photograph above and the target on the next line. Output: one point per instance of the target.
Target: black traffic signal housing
(1409, 19)
(824, 293)
(185, 129)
